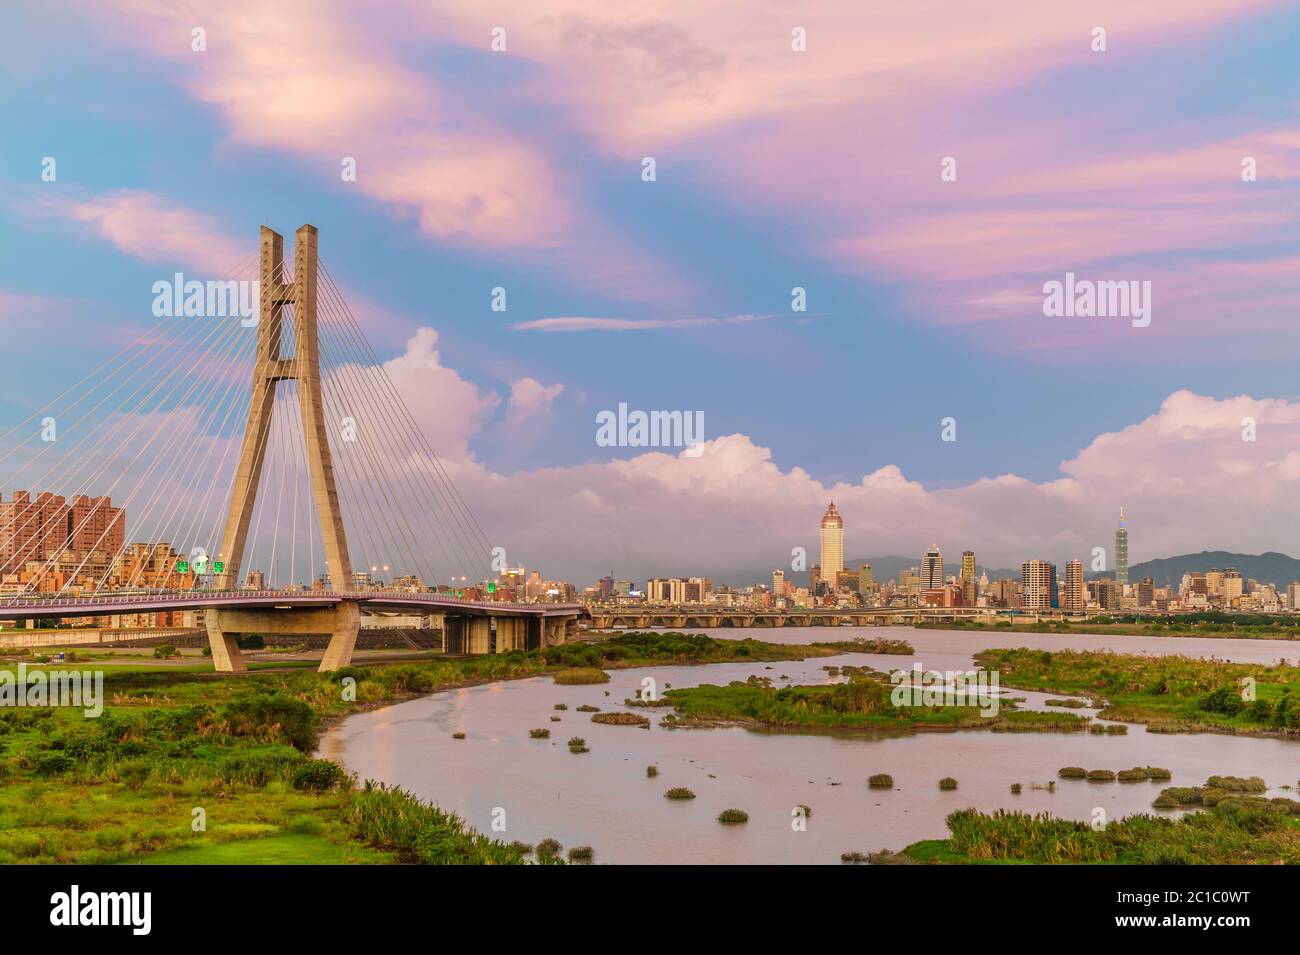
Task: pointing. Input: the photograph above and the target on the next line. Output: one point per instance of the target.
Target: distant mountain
(1269, 568)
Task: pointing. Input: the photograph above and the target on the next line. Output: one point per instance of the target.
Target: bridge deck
(27, 608)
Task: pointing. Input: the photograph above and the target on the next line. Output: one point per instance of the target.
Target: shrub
(54, 763)
(273, 716)
(561, 706)
(539, 734)
(317, 775)
(582, 854)
(853, 858)
(250, 641)
(679, 792)
(457, 735)
(652, 771)
(881, 781)
(733, 817)
(165, 651)
(1015, 789)
(947, 783)
(578, 745)
(1101, 775)
(1072, 772)
(588, 708)
(548, 848)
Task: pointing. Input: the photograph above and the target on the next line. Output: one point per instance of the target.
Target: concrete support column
(510, 634)
(479, 635)
(343, 639)
(454, 634)
(226, 657)
(534, 633)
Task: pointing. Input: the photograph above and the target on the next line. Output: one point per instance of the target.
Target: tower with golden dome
(832, 545)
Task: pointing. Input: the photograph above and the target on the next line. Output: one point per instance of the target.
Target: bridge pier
(342, 622)
(510, 634)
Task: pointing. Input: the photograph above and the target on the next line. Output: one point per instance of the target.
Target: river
(604, 798)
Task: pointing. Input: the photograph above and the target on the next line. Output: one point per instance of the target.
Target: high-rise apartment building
(1146, 592)
(47, 529)
(1038, 585)
(932, 569)
(1121, 551)
(832, 545)
(778, 583)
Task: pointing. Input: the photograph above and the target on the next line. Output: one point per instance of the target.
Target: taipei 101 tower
(1121, 550)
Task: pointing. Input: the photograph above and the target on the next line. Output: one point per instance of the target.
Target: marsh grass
(620, 719)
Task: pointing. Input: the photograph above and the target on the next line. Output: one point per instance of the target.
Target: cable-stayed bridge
(249, 456)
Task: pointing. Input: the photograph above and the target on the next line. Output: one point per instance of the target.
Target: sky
(793, 147)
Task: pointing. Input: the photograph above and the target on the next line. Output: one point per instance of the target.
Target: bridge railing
(199, 596)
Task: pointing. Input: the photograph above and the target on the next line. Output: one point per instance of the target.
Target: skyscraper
(932, 569)
(1121, 550)
(968, 589)
(832, 545)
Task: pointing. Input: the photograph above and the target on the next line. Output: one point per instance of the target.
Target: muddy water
(604, 798)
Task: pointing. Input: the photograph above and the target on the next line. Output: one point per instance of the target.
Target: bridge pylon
(271, 366)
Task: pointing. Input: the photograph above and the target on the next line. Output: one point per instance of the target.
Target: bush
(652, 771)
(457, 735)
(582, 854)
(273, 716)
(578, 745)
(317, 775)
(733, 817)
(947, 783)
(679, 792)
(1101, 775)
(1072, 772)
(250, 641)
(539, 734)
(54, 763)
(881, 781)
(1015, 789)
(165, 651)
(548, 848)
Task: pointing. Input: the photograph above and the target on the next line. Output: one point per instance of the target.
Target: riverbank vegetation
(1258, 626)
(196, 766)
(1168, 693)
(1233, 828)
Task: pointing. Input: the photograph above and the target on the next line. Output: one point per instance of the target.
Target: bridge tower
(271, 366)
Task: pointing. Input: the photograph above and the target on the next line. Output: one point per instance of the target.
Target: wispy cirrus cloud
(588, 324)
